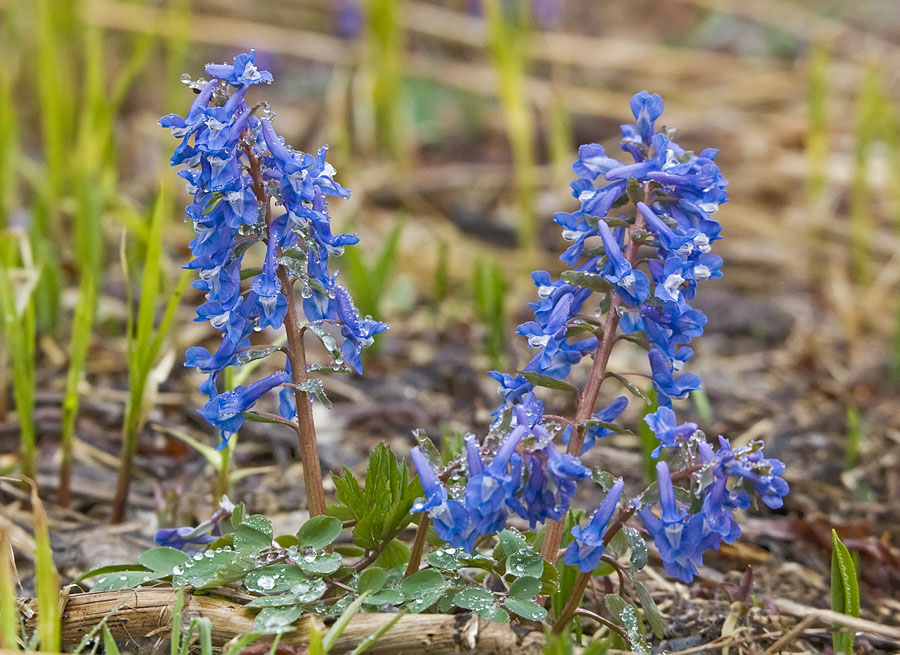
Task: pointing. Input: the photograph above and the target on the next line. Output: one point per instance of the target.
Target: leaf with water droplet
(125, 580)
(511, 541)
(632, 389)
(274, 579)
(315, 388)
(494, 613)
(204, 572)
(275, 619)
(526, 609)
(429, 450)
(626, 615)
(525, 562)
(253, 533)
(252, 354)
(474, 598)
(525, 587)
(638, 547)
(385, 597)
(318, 532)
(162, 560)
(330, 343)
(322, 564)
(586, 280)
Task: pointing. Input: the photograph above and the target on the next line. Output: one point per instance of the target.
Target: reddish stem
(296, 353)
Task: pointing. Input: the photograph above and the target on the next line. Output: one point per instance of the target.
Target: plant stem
(588, 397)
(296, 353)
(309, 450)
(415, 556)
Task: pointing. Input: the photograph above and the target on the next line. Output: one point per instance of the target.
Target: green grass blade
(9, 611)
(82, 325)
(341, 624)
(46, 579)
(177, 618)
(386, 44)
(508, 38)
(844, 592)
(378, 634)
(20, 333)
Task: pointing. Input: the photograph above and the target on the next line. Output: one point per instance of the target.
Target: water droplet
(123, 578)
(198, 556)
(177, 570)
(306, 291)
(265, 582)
(209, 554)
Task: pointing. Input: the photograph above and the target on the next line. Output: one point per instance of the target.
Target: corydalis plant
(250, 188)
(640, 244)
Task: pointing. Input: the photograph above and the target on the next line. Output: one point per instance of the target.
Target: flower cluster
(249, 187)
(525, 475)
(640, 243)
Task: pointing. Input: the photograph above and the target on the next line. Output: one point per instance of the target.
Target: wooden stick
(147, 612)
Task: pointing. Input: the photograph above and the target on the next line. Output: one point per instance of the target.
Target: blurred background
(455, 125)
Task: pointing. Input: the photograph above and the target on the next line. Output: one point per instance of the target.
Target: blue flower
(586, 550)
(225, 410)
(489, 488)
(632, 285)
(646, 108)
(184, 538)
(449, 516)
(664, 425)
(664, 380)
(678, 535)
(242, 71)
(358, 333)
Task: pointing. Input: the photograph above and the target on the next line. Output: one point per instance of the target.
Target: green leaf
(525, 562)
(321, 564)
(511, 542)
(237, 516)
(632, 389)
(110, 647)
(422, 582)
(275, 619)
(651, 610)
(612, 427)
(318, 532)
(525, 587)
(315, 388)
(539, 380)
(381, 507)
(422, 590)
(385, 596)
(592, 281)
(626, 615)
(527, 609)
(494, 613)
(274, 579)
(107, 569)
(638, 547)
(255, 353)
(253, 533)
(204, 572)
(125, 580)
(844, 592)
(372, 580)
(163, 560)
(281, 600)
(474, 598)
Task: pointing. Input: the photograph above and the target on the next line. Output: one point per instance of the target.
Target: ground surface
(792, 343)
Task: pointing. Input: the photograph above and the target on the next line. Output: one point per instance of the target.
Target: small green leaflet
(592, 281)
(632, 389)
(626, 615)
(539, 380)
(423, 589)
(651, 611)
(318, 532)
(253, 533)
(315, 388)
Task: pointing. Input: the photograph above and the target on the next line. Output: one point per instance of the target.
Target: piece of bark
(147, 612)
